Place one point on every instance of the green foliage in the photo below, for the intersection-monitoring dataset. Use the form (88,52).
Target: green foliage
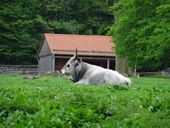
(52,101)
(142,32)
(23,23)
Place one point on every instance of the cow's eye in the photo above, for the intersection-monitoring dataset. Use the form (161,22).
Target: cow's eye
(68,66)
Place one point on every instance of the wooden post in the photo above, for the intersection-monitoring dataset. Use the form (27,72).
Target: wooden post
(108,63)
(53,63)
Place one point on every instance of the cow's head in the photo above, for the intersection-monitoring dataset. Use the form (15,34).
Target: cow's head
(70,67)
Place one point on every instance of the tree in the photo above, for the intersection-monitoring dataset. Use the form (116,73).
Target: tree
(142,33)
(23,23)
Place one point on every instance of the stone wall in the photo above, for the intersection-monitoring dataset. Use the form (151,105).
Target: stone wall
(19,69)
(166,72)
(149,74)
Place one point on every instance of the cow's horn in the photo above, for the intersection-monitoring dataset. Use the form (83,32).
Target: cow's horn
(75,54)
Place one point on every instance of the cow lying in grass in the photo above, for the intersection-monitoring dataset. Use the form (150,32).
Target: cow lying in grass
(84,73)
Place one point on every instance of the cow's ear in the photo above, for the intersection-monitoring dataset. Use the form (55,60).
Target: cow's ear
(77,62)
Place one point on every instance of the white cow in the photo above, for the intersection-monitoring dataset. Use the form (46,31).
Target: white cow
(84,73)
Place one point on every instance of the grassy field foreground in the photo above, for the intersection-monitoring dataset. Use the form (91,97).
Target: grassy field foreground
(52,101)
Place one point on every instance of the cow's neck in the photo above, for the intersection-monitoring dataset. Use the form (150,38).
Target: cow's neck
(79,73)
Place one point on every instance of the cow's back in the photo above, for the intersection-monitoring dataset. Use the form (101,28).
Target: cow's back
(93,74)
(99,75)
(113,77)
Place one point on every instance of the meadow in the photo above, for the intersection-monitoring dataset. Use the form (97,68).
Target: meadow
(55,102)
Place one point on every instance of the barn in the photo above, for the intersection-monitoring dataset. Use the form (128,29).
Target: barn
(56,49)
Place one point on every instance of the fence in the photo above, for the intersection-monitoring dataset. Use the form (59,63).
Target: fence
(19,69)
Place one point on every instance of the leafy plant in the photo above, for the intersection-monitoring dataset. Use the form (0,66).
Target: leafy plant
(51,101)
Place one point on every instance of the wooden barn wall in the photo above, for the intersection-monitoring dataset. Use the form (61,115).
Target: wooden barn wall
(45,64)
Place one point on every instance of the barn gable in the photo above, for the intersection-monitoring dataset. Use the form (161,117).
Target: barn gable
(45,49)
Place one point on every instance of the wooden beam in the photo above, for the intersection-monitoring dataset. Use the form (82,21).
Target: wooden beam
(88,58)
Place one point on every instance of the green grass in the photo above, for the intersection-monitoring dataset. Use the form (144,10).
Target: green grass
(52,101)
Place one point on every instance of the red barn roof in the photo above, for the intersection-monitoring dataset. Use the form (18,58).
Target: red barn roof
(65,44)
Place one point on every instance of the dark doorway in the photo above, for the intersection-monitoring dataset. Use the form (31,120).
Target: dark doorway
(102,63)
(60,62)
